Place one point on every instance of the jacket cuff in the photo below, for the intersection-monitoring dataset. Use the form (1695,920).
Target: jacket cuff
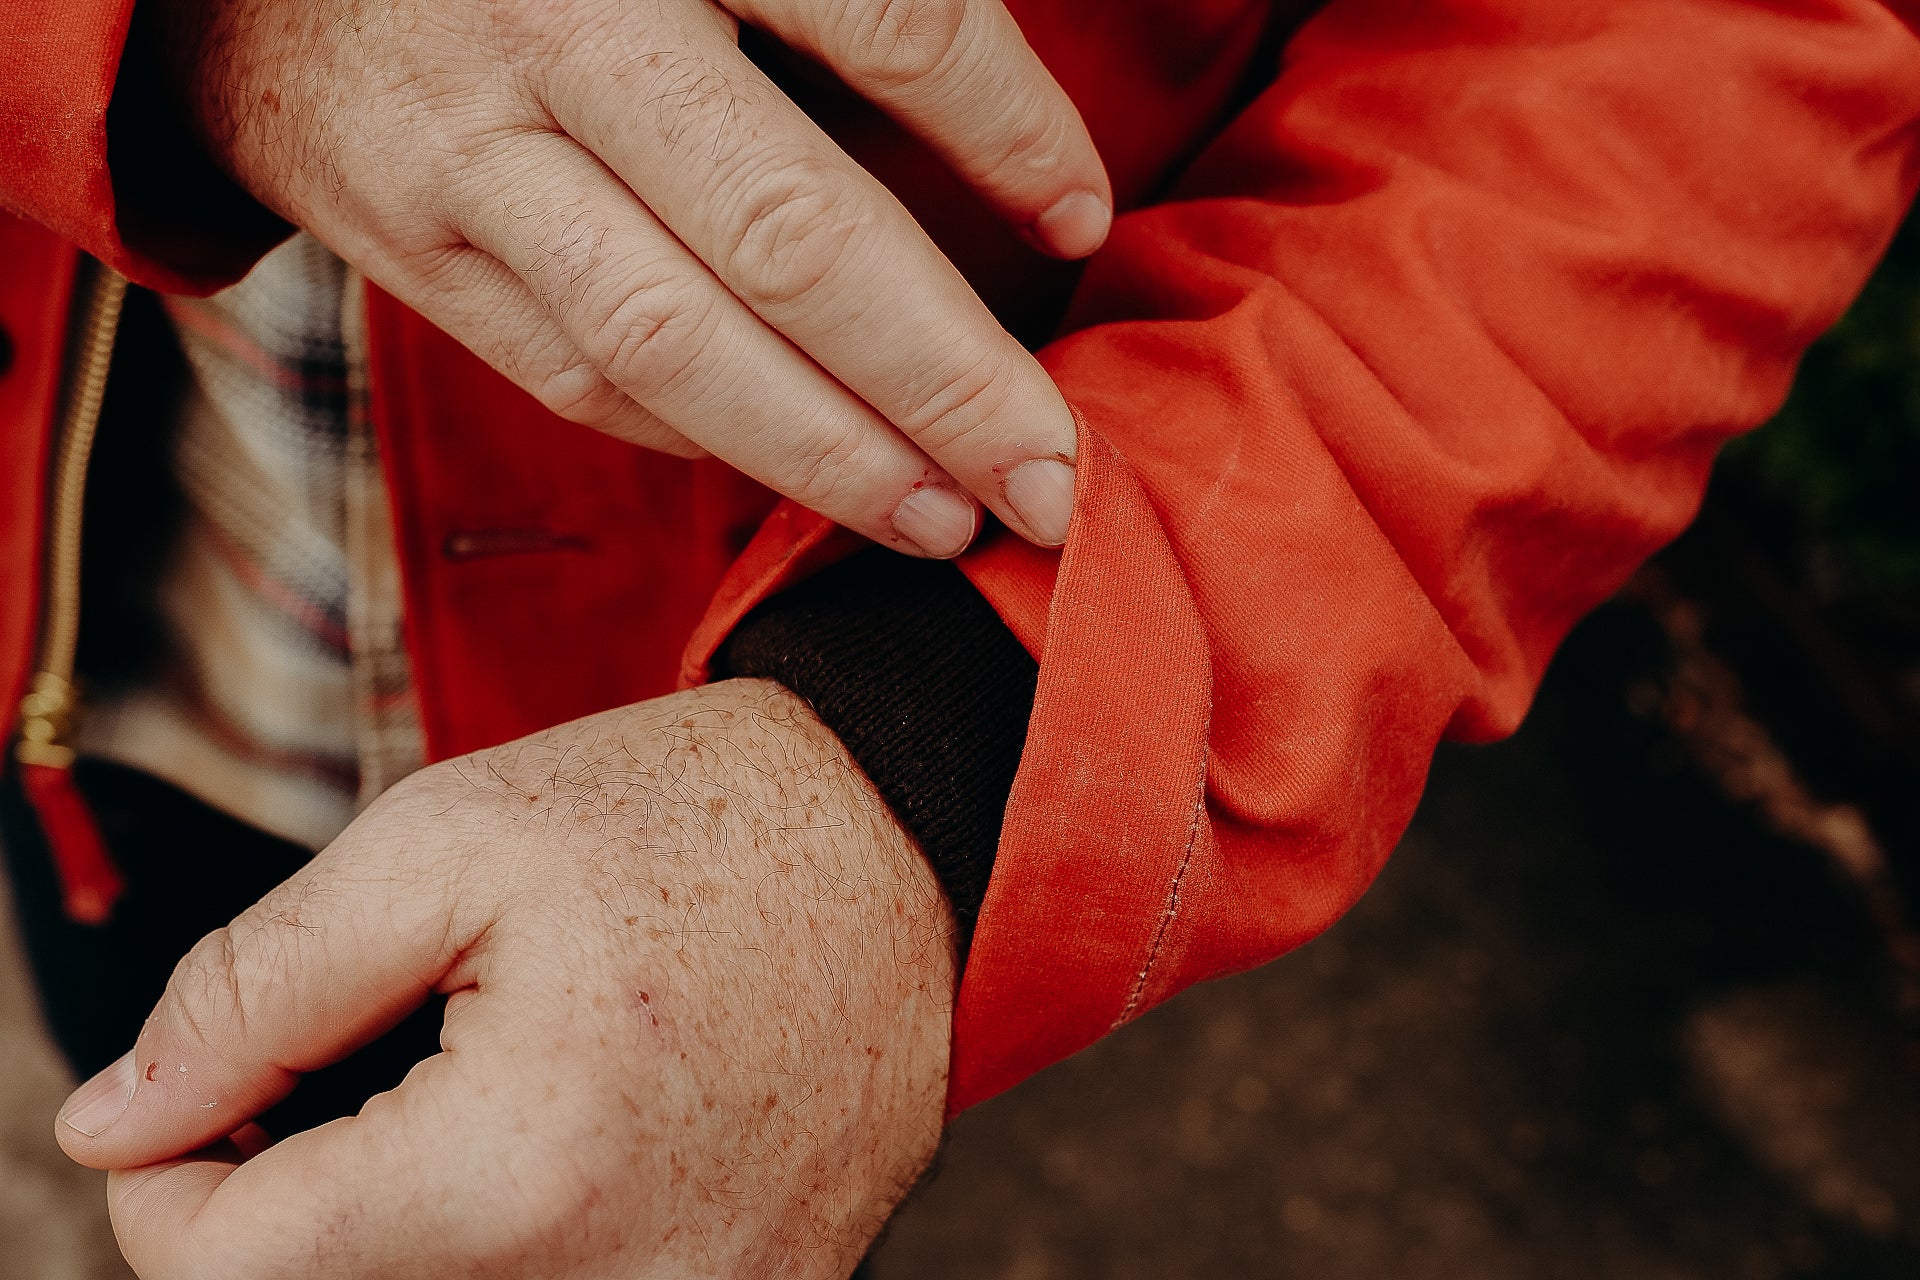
(923,683)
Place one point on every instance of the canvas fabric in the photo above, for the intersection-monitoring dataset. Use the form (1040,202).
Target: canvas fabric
(1417,331)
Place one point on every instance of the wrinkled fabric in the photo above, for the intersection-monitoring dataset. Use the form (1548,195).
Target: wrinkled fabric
(1384,379)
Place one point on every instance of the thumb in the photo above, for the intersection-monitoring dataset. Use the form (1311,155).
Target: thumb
(324,963)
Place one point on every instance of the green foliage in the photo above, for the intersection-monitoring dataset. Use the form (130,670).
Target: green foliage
(1841,462)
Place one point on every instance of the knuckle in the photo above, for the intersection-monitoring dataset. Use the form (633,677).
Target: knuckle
(650,339)
(208,992)
(1036,144)
(797,227)
(956,407)
(425,791)
(897,43)
(437,261)
(578,392)
(832,465)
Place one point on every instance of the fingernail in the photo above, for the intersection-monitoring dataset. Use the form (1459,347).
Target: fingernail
(937,520)
(101,1100)
(1076,225)
(1041,493)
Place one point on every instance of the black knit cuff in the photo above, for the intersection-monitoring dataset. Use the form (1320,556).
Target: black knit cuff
(924,684)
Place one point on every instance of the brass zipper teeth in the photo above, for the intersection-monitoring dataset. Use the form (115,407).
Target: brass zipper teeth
(48,711)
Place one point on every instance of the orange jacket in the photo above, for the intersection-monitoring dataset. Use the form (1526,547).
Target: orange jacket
(1385,379)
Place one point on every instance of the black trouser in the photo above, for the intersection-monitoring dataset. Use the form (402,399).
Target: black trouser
(189,869)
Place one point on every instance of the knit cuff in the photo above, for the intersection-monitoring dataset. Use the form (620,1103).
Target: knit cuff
(925,686)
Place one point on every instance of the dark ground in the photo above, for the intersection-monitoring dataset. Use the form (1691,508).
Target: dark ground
(1593,1021)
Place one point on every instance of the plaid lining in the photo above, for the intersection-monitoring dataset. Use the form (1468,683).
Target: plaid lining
(287,699)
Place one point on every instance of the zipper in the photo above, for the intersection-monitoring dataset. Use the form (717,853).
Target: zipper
(49,712)
(90,883)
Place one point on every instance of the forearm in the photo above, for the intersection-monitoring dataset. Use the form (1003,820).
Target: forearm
(923,683)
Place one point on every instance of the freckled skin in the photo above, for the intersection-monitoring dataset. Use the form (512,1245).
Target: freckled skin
(680,1042)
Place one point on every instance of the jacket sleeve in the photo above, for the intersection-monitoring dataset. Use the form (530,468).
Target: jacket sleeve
(1428,350)
(89,150)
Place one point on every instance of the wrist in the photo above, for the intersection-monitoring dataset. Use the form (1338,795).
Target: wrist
(927,688)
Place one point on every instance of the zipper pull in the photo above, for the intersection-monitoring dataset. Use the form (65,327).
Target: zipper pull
(44,748)
(46,721)
(90,883)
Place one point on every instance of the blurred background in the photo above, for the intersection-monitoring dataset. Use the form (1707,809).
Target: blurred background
(1639,995)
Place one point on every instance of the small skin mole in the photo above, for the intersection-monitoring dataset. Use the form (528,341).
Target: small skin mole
(632,921)
(663,893)
(717,806)
(152,1069)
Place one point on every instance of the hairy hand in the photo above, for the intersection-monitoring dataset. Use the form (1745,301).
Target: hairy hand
(700,987)
(608,202)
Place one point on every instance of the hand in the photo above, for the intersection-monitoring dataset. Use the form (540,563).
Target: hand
(608,202)
(700,995)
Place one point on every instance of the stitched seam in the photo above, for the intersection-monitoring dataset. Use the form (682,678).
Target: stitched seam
(1173,890)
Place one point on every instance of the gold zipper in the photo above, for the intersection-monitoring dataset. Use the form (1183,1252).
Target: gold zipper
(50,709)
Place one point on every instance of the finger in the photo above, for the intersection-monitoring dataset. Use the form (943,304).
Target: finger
(321,965)
(250,1140)
(960,74)
(350,1198)
(490,311)
(148,1207)
(670,336)
(824,253)
(479,1159)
